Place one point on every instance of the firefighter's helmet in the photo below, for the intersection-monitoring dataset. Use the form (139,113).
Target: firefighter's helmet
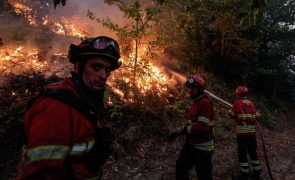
(101,46)
(241,90)
(195,80)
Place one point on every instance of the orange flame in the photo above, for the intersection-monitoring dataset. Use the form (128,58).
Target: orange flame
(19,59)
(150,78)
(63,26)
(25,11)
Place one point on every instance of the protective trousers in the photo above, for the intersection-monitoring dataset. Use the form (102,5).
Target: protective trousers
(189,157)
(248,145)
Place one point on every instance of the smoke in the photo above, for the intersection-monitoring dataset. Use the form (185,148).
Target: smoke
(34,26)
(77,10)
(44,18)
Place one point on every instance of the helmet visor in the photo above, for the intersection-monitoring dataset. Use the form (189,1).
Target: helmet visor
(104,43)
(190,82)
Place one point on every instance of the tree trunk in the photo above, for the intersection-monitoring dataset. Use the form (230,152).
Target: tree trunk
(135,58)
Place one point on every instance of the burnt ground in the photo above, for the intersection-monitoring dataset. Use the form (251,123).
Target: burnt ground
(159,163)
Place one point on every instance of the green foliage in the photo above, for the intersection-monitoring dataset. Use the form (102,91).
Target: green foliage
(255,12)
(268,118)
(222,122)
(139,113)
(211,35)
(274,62)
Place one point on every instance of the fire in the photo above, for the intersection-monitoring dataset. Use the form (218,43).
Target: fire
(20,59)
(17,59)
(59,25)
(66,28)
(153,78)
(25,11)
(45,20)
(149,79)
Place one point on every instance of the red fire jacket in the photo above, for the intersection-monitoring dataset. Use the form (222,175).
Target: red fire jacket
(55,131)
(244,113)
(200,132)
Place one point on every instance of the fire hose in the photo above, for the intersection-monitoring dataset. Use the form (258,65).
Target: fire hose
(259,129)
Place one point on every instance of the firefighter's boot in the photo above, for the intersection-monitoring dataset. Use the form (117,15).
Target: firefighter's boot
(256,175)
(242,176)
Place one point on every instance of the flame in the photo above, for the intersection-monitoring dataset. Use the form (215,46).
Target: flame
(152,77)
(66,28)
(59,25)
(17,58)
(20,59)
(149,79)
(25,11)
(45,20)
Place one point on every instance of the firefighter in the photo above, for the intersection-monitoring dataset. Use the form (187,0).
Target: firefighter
(199,145)
(245,114)
(65,135)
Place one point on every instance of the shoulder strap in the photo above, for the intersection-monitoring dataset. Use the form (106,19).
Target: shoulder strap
(72,100)
(69,98)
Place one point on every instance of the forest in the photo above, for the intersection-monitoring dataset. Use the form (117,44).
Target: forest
(227,42)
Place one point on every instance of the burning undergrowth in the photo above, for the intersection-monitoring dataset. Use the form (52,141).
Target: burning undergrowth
(41,13)
(142,106)
(136,113)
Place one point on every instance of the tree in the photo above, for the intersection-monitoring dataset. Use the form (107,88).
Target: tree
(212,32)
(276,36)
(142,19)
(255,11)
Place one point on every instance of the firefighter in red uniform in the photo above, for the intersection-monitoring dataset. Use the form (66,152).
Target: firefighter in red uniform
(65,135)
(245,114)
(199,145)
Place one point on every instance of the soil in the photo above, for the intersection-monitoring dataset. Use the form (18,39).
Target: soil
(155,158)
(160,164)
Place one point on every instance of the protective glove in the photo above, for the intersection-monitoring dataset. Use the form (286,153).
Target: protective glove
(101,150)
(176,133)
(231,114)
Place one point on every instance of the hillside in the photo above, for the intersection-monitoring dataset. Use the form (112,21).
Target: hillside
(146,98)
(141,155)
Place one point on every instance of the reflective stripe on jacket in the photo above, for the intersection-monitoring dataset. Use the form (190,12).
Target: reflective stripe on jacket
(55,133)
(200,132)
(244,112)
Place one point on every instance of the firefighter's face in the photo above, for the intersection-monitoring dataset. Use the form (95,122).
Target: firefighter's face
(95,73)
(193,92)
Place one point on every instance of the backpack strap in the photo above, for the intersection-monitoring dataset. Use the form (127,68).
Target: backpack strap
(69,98)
